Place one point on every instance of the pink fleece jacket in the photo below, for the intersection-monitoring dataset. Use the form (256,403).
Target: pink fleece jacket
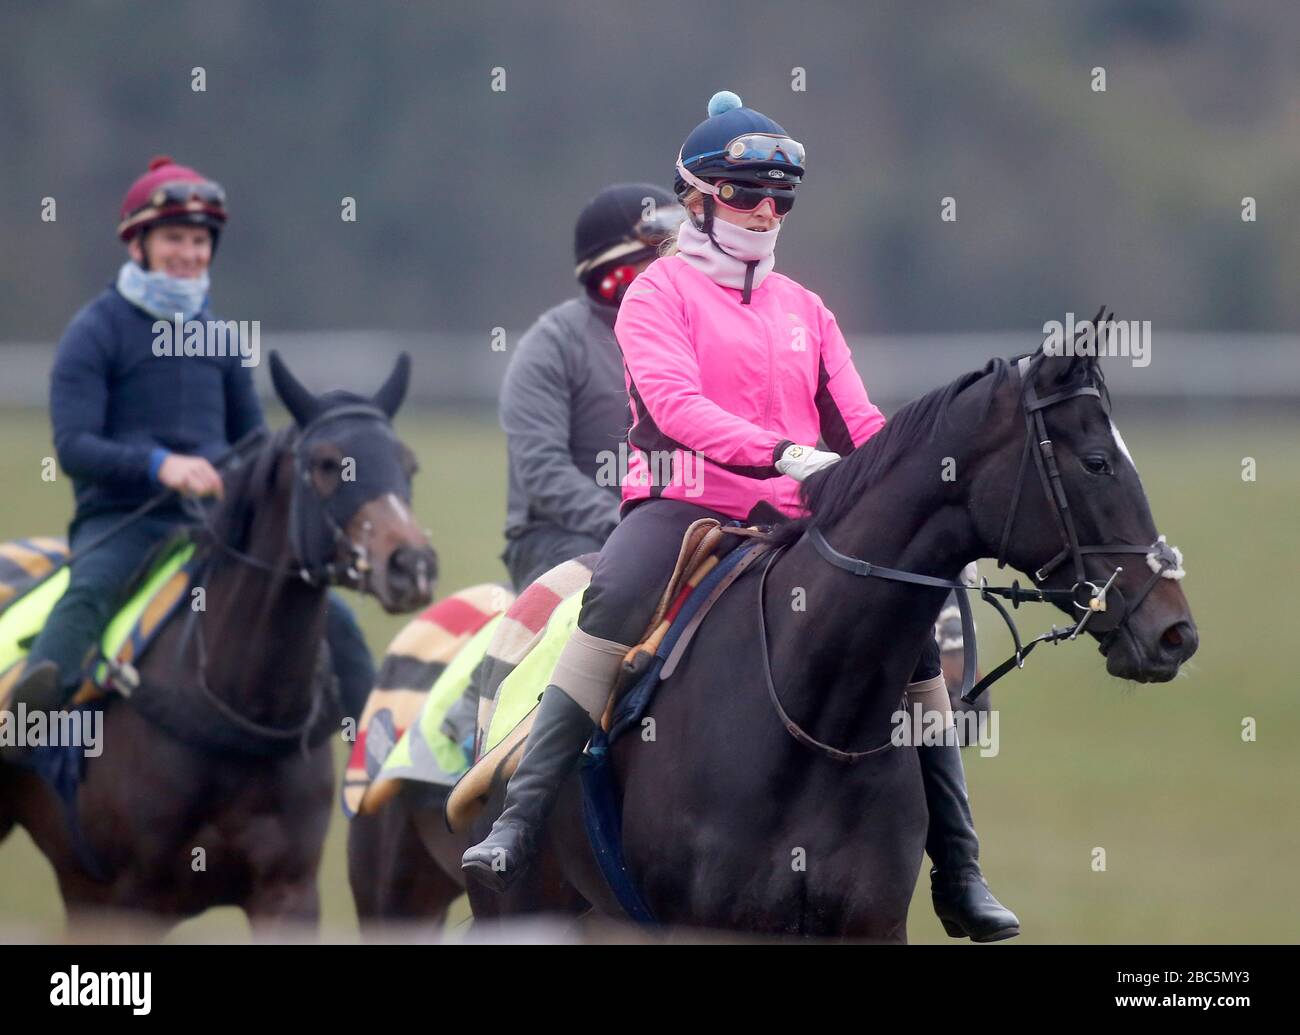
(716,386)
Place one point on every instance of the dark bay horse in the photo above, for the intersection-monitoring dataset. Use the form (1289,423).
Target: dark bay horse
(731,823)
(215,781)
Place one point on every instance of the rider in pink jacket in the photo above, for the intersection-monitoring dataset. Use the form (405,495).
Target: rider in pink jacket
(735,383)
(734,374)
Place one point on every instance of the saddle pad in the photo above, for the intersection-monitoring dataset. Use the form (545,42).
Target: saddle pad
(25,561)
(511,688)
(128,633)
(23,618)
(416,662)
(132,629)
(520,691)
(427,752)
(523,628)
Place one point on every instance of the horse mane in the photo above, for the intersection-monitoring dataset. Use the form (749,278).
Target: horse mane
(830,494)
(247,483)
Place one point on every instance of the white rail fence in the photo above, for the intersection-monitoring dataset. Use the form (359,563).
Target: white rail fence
(465,369)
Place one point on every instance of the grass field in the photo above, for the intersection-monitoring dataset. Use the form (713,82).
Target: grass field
(1201,830)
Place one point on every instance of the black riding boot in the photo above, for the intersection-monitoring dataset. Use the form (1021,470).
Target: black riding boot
(40,688)
(560,731)
(962,899)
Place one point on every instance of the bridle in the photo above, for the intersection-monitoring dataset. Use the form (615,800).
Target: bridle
(1164,560)
(326,573)
(355,571)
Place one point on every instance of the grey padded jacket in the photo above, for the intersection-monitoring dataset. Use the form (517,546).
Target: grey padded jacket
(564,410)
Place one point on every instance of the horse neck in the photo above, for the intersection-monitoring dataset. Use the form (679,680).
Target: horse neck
(263,629)
(843,662)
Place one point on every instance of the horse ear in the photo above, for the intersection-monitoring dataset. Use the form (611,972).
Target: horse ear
(1061,358)
(301,404)
(1102,324)
(393,391)
(1057,357)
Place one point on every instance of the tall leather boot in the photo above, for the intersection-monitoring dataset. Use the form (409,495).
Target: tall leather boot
(560,731)
(962,900)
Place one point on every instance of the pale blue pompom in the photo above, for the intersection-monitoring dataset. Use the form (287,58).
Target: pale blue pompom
(723,101)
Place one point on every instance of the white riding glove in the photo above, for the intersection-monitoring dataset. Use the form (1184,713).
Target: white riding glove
(801,461)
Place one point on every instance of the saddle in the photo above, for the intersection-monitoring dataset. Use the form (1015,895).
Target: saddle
(704,545)
(693,588)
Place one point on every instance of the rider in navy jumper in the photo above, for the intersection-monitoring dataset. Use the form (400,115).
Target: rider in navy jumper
(129,423)
(117,409)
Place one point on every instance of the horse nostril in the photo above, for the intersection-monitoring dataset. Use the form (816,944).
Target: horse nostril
(411,568)
(1179,640)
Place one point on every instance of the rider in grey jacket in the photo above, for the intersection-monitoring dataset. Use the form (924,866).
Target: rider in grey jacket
(563,404)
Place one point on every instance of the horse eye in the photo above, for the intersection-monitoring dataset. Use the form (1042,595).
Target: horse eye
(1097,464)
(327,465)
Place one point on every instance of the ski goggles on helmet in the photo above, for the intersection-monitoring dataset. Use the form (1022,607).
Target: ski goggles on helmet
(655,228)
(186,192)
(746,198)
(177,198)
(765,147)
(648,233)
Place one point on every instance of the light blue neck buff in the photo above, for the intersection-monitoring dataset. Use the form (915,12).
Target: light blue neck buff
(162,295)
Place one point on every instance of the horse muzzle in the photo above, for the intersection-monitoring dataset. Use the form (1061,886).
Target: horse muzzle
(399,566)
(1149,658)
(407,580)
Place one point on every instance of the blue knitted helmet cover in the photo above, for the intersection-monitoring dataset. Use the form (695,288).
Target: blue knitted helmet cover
(704,151)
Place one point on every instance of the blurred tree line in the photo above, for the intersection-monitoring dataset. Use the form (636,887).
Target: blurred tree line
(1065,197)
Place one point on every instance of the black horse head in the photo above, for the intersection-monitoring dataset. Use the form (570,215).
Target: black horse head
(352,491)
(1090,513)
(1060,500)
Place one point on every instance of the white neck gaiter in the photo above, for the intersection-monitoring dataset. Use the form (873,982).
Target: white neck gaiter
(741,248)
(161,295)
